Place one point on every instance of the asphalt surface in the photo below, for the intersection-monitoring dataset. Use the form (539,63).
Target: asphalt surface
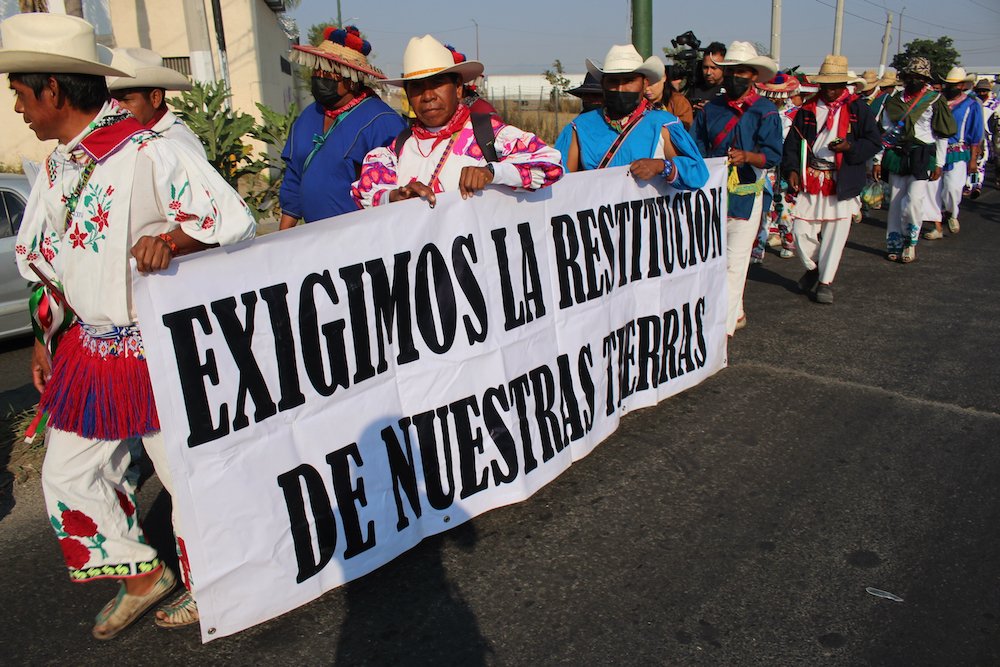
(740,523)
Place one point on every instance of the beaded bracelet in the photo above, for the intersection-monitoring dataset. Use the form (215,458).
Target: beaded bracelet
(668,170)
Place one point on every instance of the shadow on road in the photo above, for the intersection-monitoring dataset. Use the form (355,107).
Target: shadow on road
(759,274)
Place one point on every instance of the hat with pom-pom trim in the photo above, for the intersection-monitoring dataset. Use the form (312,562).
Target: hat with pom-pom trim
(342,51)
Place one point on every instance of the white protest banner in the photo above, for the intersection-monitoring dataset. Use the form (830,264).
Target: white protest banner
(333,394)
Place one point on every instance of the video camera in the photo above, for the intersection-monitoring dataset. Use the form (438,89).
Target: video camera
(687,61)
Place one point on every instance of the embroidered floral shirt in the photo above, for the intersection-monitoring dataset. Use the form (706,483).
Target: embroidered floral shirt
(525,162)
(103,190)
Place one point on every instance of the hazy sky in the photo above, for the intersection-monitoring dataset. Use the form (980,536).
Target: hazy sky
(526,36)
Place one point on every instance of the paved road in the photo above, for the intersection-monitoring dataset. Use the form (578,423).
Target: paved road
(846,447)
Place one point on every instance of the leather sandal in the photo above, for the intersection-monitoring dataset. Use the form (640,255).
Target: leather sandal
(182,611)
(909,254)
(124,609)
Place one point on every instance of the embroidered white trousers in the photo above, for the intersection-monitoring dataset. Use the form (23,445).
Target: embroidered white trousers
(740,235)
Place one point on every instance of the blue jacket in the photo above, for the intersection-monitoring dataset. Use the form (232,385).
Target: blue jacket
(758,131)
(324,189)
(595,137)
(969,118)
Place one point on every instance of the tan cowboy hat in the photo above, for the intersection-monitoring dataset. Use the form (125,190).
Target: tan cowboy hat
(889,78)
(745,55)
(45,43)
(425,57)
(624,59)
(871,79)
(834,70)
(149,71)
(956,75)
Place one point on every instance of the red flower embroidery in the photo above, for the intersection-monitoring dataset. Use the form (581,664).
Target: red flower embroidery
(208,222)
(101,217)
(184,217)
(48,253)
(31,257)
(75,553)
(79,524)
(78,238)
(126,504)
(110,191)
(20,249)
(175,205)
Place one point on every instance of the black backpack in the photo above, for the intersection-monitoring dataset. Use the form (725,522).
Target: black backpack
(482,128)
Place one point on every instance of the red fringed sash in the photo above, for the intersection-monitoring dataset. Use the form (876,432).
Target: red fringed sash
(100,386)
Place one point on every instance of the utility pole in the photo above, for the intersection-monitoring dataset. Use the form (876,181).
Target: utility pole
(477,37)
(340,21)
(838,27)
(199,44)
(220,38)
(886,38)
(642,27)
(899,35)
(776,30)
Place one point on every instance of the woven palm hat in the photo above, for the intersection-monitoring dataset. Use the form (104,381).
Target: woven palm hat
(781,87)
(745,55)
(833,70)
(149,71)
(425,57)
(871,79)
(888,79)
(342,52)
(624,59)
(53,44)
(956,75)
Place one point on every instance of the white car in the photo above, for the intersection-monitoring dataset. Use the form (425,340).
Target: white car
(14,290)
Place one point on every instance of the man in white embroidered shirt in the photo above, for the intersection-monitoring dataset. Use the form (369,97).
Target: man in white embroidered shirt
(449,148)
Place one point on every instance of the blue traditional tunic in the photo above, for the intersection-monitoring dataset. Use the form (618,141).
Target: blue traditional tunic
(323,189)
(595,137)
(968,115)
(758,131)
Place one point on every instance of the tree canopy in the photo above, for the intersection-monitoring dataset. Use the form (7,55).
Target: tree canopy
(940,53)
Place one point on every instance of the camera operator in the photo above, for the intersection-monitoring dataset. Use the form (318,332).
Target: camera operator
(709,84)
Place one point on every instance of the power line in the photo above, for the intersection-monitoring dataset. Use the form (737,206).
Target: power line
(935,23)
(984,6)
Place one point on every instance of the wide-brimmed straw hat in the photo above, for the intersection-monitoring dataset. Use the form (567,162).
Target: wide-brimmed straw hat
(744,54)
(425,57)
(833,70)
(45,43)
(956,75)
(781,87)
(871,80)
(342,52)
(624,59)
(149,71)
(889,78)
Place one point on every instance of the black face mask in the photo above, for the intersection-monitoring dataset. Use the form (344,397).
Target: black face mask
(951,92)
(736,86)
(325,92)
(912,85)
(620,104)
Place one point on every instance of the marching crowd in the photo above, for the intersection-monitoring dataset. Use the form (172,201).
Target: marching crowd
(128,180)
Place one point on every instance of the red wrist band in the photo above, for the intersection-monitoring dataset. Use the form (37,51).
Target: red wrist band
(169,240)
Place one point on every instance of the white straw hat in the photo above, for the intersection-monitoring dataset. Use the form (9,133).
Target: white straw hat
(956,75)
(149,71)
(45,43)
(744,54)
(426,57)
(624,59)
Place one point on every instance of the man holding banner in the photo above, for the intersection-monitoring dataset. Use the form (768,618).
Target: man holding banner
(110,191)
(449,147)
(627,130)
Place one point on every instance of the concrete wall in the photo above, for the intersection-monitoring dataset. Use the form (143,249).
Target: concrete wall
(255,44)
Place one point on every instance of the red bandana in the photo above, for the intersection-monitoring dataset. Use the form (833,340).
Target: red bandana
(744,103)
(454,125)
(333,113)
(843,123)
(157,116)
